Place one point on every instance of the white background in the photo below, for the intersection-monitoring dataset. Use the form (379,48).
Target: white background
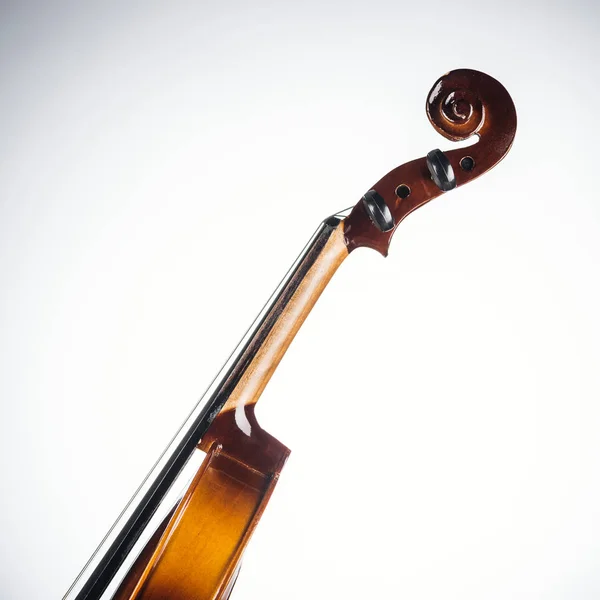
(161,165)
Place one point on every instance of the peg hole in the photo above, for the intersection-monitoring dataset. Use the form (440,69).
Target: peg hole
(402,191)
(467,163)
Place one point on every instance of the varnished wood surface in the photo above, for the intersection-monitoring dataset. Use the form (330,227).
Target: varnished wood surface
(460,104)
(201,548)
(196,554)
(318,261)
(292,314)
(129,583)
(287,316)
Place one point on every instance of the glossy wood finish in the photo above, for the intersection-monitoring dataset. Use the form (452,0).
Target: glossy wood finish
(273,329)
(195,554)
(288,315)
(130,582)
(460,104)
(200,551)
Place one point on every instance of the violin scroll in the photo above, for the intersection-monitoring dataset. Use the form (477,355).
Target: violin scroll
(454,109)
(461,104)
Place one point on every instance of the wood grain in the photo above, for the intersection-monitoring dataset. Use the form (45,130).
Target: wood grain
(200,550)
(197,553)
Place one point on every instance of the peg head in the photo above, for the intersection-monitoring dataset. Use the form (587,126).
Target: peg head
(461,104)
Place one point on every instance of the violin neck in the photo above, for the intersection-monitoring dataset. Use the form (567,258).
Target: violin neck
(285,314)
(230,399)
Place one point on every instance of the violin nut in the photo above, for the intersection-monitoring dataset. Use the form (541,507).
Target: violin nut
(378,211)
(441,170)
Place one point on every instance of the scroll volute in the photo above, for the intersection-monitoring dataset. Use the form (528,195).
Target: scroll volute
(461,104)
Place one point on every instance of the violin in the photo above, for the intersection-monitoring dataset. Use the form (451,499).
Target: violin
(188,545)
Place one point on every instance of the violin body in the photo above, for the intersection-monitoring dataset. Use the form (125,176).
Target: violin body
(198,553)
(192,549)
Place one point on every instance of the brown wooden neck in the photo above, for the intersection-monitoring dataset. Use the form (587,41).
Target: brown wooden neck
(258,361)
(243,461)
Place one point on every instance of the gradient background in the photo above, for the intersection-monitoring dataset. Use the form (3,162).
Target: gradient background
(162,164)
